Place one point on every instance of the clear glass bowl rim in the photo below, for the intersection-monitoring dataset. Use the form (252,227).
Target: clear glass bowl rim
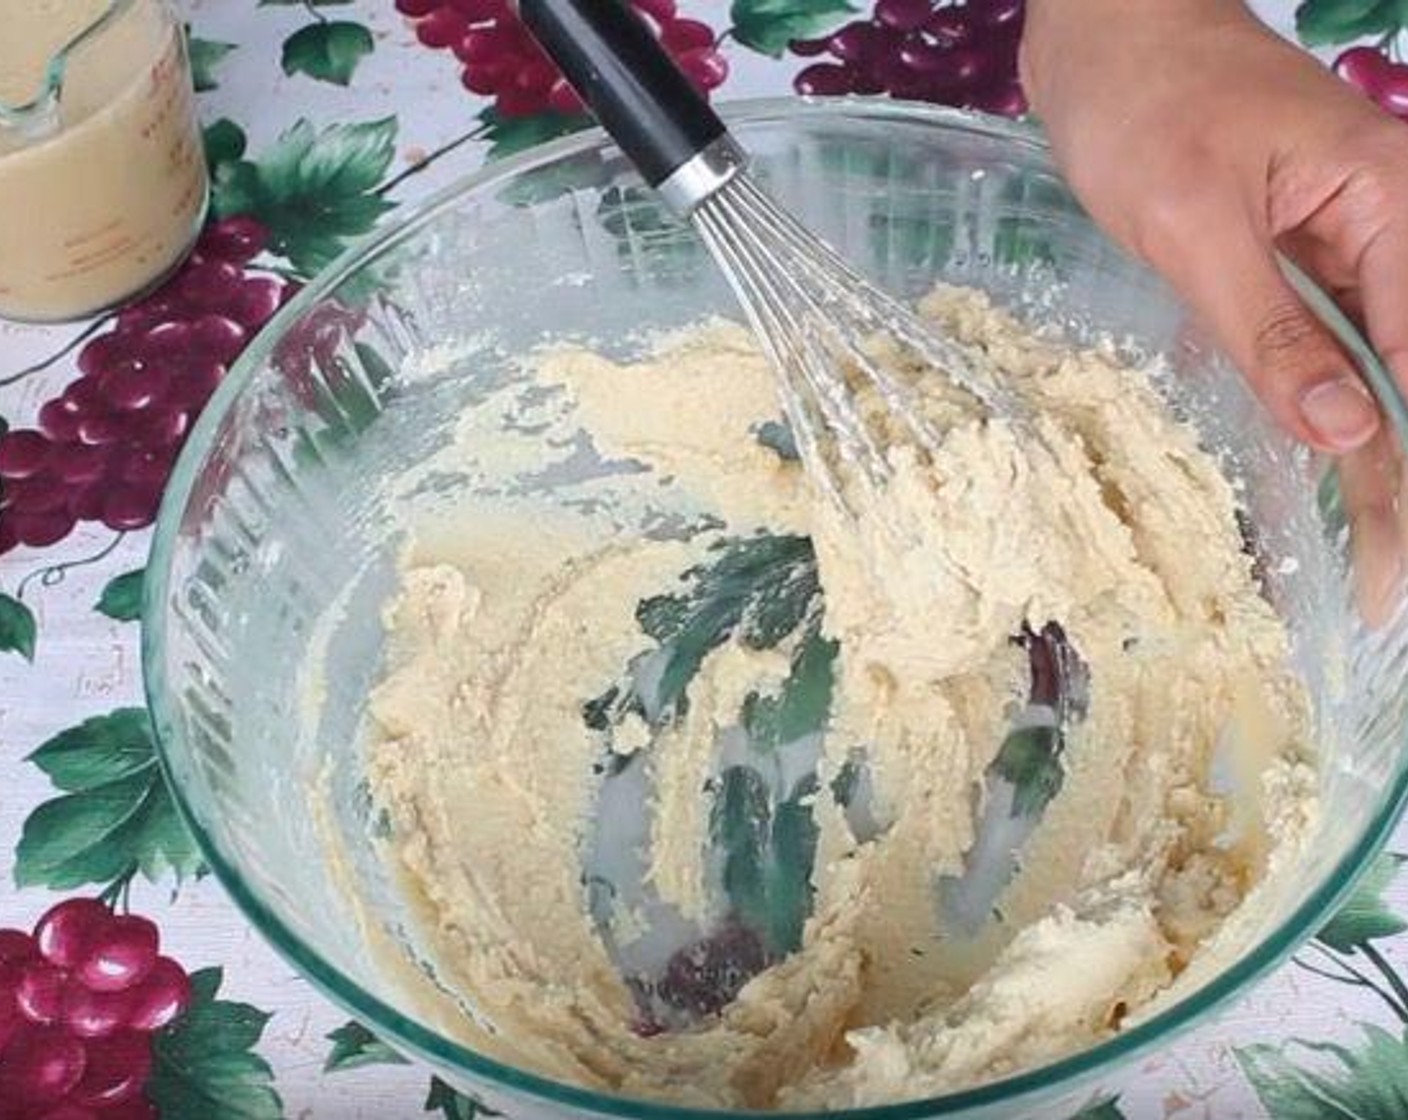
(1069,1072)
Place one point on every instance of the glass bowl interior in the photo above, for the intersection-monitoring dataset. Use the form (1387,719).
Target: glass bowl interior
(275,550)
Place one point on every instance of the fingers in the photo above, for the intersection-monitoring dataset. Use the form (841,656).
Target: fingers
(1375,215)
(1371,480)
(1300,373)
(1326,261)
(1383,283)
(1215,257)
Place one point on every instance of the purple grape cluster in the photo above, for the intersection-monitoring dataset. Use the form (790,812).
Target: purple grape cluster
(501,60)
(1378,77)
(702,979)
(699,980)
(102,449)
(80,998)
(952,53)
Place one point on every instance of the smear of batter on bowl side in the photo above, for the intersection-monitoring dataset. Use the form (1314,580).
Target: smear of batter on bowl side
(706,793)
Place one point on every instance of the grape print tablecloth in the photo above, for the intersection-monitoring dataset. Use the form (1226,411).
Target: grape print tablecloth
(130,987)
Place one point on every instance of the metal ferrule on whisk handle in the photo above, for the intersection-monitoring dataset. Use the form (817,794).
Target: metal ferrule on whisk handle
(644,102)
(814,315)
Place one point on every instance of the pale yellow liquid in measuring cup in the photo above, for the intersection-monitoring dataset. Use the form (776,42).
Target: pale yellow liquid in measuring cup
(100,209)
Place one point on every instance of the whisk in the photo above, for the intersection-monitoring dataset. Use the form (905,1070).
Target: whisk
(816,317)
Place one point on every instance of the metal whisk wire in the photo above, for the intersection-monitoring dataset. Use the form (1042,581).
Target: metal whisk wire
(814,398)
(827,330)
(818,320)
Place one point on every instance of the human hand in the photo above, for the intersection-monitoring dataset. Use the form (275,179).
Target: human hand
(1203,143)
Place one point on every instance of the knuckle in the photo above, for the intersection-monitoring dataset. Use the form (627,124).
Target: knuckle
(1285,333)
(1376,188)
(1378,141)
(1376,151)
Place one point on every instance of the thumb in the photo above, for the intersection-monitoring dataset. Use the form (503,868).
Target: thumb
(1294,365)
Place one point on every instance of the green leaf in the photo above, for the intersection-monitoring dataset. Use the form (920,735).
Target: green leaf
(509,135)
(911,241)
(777,437)
(648,235)
(116,813)
(377,369)
(104,749)
(312,190)
(453,1105)
(206,55)
(1321,23)
(235,189)
(635,214)
(1364,917)
(357,401)
(349,401)
(740,824)
(1030,758)
(1106,1109)
(759,589)
(1326,1081)
(204,1064)
(205,983)
(121,599)
(328,50)
(1019,241)
(17,628)
(803,705)
(354,1046)
(846,784)
(788,873)
(768,855)
(768,26)
(756,591)
(1329,498)
(224,142)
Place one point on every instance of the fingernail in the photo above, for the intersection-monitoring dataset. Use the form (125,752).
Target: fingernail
(1340,412)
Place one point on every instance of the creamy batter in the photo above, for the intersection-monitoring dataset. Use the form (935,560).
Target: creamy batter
(681,825)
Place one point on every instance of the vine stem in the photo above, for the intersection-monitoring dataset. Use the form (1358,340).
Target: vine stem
(54,573)
(1356,981)
(1387,971)
(444,149)
(313,11)
(118,892)
(67,349)
(1354,977)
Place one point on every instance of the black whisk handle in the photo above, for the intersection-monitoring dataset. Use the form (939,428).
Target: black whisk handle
(662,123)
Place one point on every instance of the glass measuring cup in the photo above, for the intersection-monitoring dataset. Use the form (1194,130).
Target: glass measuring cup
(103,184)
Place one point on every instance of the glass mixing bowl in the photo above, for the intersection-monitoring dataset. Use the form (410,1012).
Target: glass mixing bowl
(274,550)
